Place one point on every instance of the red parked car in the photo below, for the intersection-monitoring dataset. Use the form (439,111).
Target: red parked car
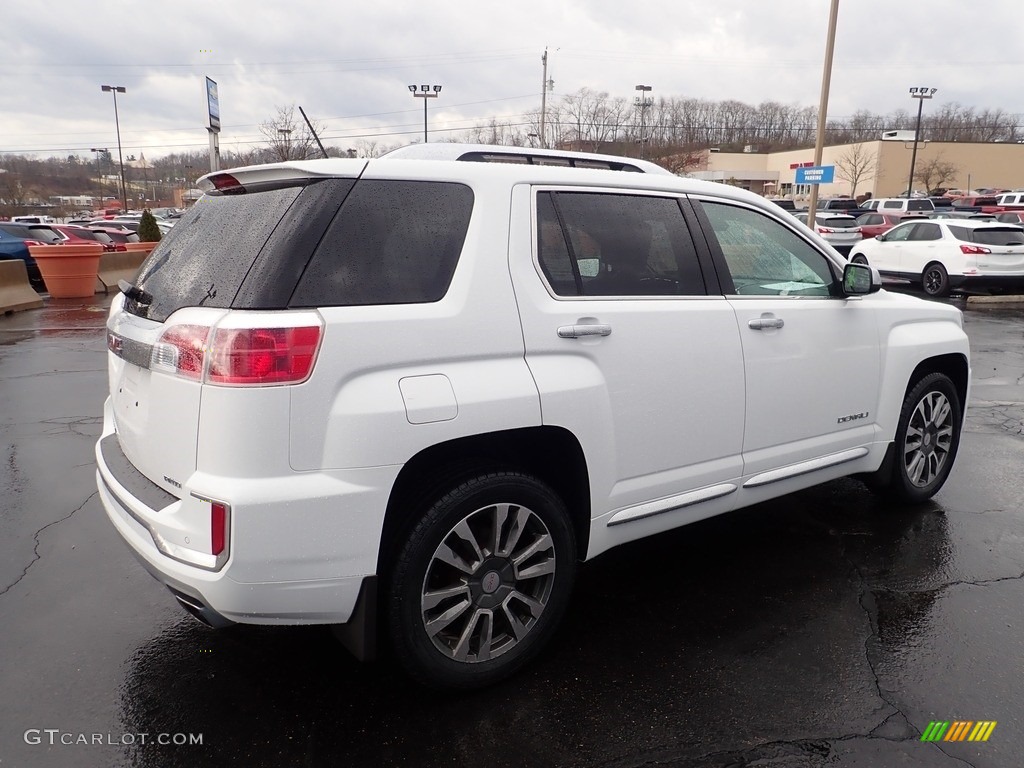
(119,237)
(875,224)
(75,235)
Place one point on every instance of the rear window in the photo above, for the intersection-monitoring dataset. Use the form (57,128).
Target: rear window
(393,242)
(203,260)
(836,222)
(920,205)
(989,235)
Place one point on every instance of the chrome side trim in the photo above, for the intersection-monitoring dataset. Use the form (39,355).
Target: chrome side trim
(640,511)
(804,467)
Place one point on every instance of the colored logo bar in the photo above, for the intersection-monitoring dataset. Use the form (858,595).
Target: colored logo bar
(958,730)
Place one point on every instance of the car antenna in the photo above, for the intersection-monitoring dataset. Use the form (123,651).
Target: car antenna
(313,131)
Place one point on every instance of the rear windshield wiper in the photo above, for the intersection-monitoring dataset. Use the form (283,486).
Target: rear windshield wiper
(134,293)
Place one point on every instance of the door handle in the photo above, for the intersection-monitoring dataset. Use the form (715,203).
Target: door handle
(766,321)
(580,331)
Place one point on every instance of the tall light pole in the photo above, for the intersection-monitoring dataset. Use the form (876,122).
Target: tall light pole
(425,92)
(116,89)
(643,103)
(286,136)
(920,94)
(99,171)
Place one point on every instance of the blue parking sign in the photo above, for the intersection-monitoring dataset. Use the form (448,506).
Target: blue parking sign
(816,174)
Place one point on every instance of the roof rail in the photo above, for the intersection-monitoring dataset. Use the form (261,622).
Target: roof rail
(483,153)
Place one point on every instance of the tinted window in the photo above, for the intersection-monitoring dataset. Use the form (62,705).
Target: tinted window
(901,232)
(392,242)
(766,258)
(1000,236)
(893,204)
(926,232)
(203,260)
(596,244)
(836,222)
(920,205)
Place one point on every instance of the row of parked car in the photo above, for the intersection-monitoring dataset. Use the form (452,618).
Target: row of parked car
(940,249)
(16,237)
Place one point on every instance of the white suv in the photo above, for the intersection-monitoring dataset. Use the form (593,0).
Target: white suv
(414,392)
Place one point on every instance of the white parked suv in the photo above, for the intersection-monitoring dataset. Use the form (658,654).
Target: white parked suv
(412,393)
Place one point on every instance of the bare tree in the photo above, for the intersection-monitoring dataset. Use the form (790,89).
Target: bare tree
(288,136)
(935,172)
(855,165)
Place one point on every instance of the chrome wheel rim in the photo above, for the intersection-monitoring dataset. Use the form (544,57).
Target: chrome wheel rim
(488,582)
(929,439)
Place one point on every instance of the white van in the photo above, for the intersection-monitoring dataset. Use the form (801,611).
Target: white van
(33,220)
(902,205)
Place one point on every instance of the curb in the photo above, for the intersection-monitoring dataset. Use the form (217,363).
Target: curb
(1015,299)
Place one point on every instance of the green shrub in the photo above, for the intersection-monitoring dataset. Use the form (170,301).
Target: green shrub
(149,232)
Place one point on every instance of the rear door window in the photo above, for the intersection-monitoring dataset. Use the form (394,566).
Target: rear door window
(607,244)
(926,232)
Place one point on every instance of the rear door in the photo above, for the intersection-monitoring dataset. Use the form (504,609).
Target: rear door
(631,353)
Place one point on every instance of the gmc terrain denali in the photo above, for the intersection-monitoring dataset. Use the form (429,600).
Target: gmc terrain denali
(412,393)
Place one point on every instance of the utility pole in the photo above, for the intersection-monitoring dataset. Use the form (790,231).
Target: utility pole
(921,93)
(544,99)
(826,79)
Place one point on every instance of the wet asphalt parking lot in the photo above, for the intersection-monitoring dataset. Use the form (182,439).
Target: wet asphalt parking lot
(823,629)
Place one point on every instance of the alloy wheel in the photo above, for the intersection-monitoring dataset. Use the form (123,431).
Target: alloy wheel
(488,582)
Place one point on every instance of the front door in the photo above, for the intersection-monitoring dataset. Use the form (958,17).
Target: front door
(811,357)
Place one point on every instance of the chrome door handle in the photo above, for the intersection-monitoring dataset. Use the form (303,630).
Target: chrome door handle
(766,321)
(579,331)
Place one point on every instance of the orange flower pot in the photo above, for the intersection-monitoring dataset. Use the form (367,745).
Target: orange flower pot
(69,271)
(143,247)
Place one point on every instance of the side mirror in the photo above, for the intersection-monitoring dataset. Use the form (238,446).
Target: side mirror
(860,280)
(880,237)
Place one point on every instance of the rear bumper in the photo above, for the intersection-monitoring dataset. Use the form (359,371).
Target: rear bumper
(298,560)
(1015,282)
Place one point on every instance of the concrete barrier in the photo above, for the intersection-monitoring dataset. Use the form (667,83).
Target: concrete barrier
(118,265)
(16,293)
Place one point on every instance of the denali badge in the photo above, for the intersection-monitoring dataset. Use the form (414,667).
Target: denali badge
(172,481)
(852,417)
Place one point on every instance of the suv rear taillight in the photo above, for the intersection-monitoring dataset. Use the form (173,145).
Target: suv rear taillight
(239,357)
(974,250)
(181,351)
(245,356)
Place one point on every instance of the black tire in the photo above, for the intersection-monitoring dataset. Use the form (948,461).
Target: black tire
(935,280)
(481,582)
(859,258)
(927,439)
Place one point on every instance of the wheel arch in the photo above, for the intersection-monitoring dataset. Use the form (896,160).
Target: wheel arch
(954,365)
(551,454)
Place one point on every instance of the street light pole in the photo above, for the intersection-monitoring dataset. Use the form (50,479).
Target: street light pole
(116,89)
(920,94)
(425,92)
(99,170)
(286,133)
(643,103)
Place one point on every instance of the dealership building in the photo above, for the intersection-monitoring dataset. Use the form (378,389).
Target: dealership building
(885,164)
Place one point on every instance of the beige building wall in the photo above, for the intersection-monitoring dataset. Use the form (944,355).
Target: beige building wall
(887,166)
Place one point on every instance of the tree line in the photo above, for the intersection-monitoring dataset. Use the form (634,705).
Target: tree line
(663,129)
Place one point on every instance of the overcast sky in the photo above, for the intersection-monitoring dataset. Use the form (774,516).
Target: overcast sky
(349,64)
